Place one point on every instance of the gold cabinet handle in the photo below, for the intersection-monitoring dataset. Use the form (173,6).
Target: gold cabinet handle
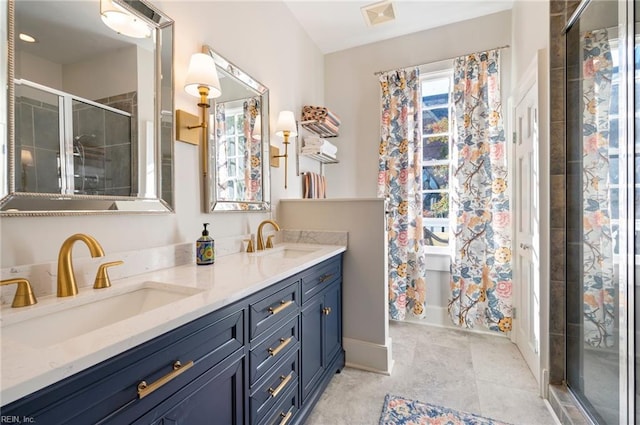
(282,306)
(325,277)
(285,380)
(178,368)
(326,311)
(24,294)
(285,417)
(283,343)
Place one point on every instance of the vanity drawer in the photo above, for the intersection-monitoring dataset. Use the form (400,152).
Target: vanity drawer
(266,352)
(273,388)
(108,392)
(317,278)
(284,411)
(270,310)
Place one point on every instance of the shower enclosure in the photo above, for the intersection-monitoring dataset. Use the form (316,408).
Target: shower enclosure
(602,191)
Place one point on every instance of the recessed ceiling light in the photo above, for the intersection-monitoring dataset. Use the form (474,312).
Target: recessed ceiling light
(377,13)
(27,38)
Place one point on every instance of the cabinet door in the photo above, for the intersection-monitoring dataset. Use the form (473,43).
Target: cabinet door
(311,365)
(215,397)
(332,310)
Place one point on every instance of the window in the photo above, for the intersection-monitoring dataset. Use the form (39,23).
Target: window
(436,156)
(232,156)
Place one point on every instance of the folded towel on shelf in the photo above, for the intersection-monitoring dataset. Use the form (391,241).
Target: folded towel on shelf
(315,144)
(320,113)
(314,186)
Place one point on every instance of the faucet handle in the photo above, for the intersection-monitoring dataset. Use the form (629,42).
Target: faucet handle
(24,294)
(249,245)
(270,241)
(102,277)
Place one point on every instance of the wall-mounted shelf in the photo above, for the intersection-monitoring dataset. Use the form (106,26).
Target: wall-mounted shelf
(321,157)
(321,128)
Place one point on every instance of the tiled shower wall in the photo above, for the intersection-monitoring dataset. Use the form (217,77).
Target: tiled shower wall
(562,402)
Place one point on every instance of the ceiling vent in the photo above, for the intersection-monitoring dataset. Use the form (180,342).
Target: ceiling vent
(378,13)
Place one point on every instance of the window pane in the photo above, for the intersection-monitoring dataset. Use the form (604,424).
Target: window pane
(435,121)
(435,92)
(435,148)
(435,205)
(435,177)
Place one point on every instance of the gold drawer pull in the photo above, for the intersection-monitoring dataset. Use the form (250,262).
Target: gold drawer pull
(283,343)
(285,417)
(326,311)
(325,277)
(144,389)
(285,381)
(282,306)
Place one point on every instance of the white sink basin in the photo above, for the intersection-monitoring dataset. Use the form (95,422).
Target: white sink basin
(79,316)
(287,251)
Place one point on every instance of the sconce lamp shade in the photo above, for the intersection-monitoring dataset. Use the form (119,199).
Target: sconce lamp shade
(256,133)
(286,122)
(26,158)
(202,73)
(121,21)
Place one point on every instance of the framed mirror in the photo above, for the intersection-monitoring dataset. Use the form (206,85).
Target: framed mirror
(89,110)
(238,142)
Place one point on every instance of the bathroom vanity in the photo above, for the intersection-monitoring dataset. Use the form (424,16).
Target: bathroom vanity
(261,354)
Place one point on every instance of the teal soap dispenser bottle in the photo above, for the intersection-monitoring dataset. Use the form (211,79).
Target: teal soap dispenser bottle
(205,248)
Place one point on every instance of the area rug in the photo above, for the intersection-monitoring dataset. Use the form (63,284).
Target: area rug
(402,411)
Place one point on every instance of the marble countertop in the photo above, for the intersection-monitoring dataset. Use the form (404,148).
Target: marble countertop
(28,367)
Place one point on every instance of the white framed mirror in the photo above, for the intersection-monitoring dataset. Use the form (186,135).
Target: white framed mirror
(238,172)
(89,111)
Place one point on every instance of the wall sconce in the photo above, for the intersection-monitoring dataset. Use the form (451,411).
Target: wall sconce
(26,159)
(202,81)
(286,128)
(256,132)
(122,21)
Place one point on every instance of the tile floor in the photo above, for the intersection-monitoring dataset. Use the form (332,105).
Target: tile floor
(477,373)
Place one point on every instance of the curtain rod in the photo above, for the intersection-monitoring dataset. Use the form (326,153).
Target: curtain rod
(440,60)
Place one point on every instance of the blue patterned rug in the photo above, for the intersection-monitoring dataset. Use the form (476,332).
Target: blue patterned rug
(402,411)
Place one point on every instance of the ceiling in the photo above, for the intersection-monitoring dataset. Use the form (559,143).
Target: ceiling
(336,25)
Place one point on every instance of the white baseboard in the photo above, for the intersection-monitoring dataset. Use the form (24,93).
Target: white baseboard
(368,356)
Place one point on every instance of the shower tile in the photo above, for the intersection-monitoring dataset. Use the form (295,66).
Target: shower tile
(557,254)
(511,405)
(557,307)
(558,207)
(557,150)
(556,358)
(24,124)
(556,47)
(46,178)
(91,122)
(118,129)
(118,166)
(46,130)
(557,94)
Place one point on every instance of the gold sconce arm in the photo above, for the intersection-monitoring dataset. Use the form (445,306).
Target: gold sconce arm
(204,137)
(285,142)
(24,294)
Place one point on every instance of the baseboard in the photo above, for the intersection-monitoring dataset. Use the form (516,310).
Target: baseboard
(368,356)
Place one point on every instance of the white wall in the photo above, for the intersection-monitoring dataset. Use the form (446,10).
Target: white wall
(260,37)
(38,70)
(352,90)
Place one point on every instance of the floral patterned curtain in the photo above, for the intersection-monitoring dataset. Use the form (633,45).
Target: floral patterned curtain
(481,272)
(221,150)
(253,152)
(399,182)
(598,282)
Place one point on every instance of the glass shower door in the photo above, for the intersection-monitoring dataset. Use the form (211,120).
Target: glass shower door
(597,220)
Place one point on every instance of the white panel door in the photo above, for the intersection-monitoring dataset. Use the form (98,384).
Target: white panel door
(526,212)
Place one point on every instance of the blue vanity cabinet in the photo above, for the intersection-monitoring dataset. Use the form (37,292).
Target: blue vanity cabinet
(265,359)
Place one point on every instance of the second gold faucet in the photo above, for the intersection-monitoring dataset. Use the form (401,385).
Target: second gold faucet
(260,238)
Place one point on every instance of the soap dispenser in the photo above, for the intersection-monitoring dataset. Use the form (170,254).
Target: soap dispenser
(205,248)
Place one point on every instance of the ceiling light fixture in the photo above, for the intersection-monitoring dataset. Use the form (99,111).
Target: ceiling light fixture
(378,13)
(27,38)
(122,21)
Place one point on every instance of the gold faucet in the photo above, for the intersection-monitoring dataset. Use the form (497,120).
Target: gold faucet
(66,278)
(260,239)
(24,294)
